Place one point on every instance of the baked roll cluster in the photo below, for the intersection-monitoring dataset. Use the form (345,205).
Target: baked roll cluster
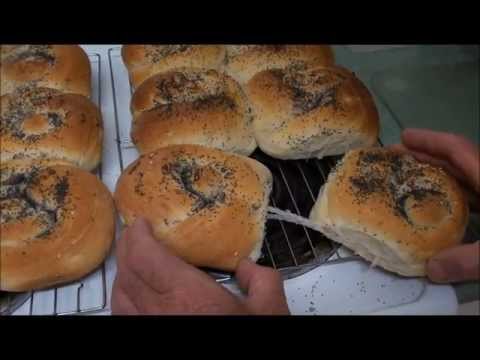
(57,219)
(197,118)
(292,101)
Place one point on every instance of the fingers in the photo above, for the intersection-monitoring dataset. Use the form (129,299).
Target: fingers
(455,149)
(121,304)
(148,258)
(457,264)
(154,279)
(128,286)
(264,287)
(144,268)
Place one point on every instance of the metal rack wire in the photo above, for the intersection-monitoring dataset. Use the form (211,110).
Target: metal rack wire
(14,301)
(292,249)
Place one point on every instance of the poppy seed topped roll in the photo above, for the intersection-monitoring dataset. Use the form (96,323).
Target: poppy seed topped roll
(62,67)
(41,123)
(192,106)
(56,224)
(391,209)
(311,112)
(208,206)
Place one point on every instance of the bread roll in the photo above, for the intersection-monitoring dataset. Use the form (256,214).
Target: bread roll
(391,209)
(304,112)
(143,61)
(38,123)
(192,106)
(242,62)
(62,67)
(56,222)
(207,206)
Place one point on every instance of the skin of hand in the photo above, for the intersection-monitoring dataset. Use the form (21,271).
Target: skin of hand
(461,159)
(151,280)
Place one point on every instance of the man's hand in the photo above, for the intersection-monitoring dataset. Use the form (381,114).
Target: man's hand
(150,280)
(460,158)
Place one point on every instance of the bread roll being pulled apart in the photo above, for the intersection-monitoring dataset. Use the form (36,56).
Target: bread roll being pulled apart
(242,62)
(144,61)
(41,123)
(391,209)
(311,112)
(192,106)
(62,67)
(56,222)
(208,206)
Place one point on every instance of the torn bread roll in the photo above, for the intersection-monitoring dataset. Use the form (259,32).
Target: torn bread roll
(56,222)
(42,123)
(144,61)
(242,62)
(391,209)
(207,206)
(311,112)
(62,67)
(192,106)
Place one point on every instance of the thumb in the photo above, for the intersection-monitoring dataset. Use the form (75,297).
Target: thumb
(460,263)
(148,258)
(264,288)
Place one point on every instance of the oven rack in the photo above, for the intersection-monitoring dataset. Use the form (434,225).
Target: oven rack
(84,296)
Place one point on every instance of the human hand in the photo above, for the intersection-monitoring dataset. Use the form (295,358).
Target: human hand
(151,280)
(460,158)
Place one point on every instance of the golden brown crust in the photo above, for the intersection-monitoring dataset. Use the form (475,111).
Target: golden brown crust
(244,61)
(143,61)
(62,67)
(311,111)
(40,123)
(192,195)
(57,224)
(409,209)
(192,106)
